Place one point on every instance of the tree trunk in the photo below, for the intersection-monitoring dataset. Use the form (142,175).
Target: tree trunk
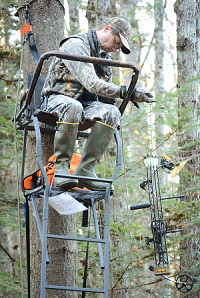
(99,10)
(62,267)
(159,57)
(160,127)
(73,17)
(188,83)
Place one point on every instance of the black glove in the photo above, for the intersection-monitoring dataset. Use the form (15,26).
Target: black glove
(137,96)
(142,96)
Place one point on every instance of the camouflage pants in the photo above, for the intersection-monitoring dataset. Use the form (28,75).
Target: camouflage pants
(68,109)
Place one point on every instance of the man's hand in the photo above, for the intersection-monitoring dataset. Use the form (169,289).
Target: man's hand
(137,95)
(143,96)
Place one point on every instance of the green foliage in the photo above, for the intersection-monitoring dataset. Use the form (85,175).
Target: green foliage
(11,285)
(118,229)
(11,270)
(8,21)
(9,73)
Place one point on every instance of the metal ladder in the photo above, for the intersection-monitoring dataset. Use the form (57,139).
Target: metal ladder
(28,115)
(93,197)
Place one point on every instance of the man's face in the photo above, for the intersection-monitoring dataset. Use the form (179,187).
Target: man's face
(110,42)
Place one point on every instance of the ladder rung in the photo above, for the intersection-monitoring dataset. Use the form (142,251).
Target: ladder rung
(94,290)
(75,238)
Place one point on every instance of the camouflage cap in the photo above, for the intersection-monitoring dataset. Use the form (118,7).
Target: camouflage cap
(123,28)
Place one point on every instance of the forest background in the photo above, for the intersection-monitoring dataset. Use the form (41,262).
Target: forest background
(165,49)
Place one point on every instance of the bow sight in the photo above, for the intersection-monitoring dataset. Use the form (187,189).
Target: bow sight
(159,225)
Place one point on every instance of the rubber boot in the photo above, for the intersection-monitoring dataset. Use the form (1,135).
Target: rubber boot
(95,147)
(64,143)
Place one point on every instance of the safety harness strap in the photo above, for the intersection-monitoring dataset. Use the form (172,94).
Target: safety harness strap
(27,29)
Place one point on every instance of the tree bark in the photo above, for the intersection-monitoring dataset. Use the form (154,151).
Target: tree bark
(159,16)
(47,19)
(159,57)
(73,17)
(188,83)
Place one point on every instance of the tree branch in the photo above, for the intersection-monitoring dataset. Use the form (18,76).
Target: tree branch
(12,259)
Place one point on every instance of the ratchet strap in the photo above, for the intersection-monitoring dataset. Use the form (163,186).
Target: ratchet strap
(28,31)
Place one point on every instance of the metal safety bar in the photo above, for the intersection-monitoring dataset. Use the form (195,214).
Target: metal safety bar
(93,60)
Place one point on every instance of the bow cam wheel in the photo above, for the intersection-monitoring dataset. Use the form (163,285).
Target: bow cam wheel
(184,283)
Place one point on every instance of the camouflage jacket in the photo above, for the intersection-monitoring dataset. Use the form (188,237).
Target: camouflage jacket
(71,78)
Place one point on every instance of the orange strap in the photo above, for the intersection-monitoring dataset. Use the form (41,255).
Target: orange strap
(27,28)
(30,182)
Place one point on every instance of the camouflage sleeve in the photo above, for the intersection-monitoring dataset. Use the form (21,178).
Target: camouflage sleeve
(85,72)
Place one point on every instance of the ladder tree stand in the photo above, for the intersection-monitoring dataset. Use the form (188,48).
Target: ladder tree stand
(30,117)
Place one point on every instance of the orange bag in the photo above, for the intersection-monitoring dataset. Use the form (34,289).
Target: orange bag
(35,180)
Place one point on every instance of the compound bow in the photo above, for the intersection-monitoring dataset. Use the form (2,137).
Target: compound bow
(159,225)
